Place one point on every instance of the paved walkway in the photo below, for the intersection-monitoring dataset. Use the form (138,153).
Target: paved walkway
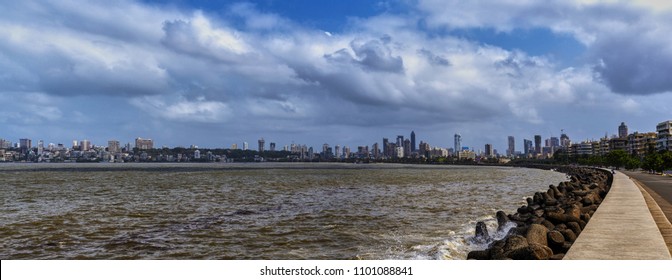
(660,188)
(621,229)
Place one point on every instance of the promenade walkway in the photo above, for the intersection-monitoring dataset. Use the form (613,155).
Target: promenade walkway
(622,228)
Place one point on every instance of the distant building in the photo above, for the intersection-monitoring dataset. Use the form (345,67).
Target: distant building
(197,154)
(413,149)
(457,143)
(272,147)
(25,145)
(537,144)
(622,130)
(640,143)
(261,145)
(234,146)
(512,147)
(489,151)
(144,144)
(246,146)
(85,145)
(407,148)
(386,146)
(113,146)
(664,141)
(375,150)
(400,141)
(337,151)
(527,147)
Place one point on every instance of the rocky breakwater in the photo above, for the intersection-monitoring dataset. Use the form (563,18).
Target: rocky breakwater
(550,222)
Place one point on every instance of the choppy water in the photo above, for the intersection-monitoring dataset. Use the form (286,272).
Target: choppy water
(253,211)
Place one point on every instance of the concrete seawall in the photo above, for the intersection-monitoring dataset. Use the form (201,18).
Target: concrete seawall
(622,228)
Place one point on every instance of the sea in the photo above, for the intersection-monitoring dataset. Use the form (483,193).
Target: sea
(258,211)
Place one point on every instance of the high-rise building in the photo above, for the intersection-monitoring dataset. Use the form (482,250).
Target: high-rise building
(386,150)
(413,141)
(458,143)
(488,150)
(407,148)
(527,147)
(113,146)
(25,145)
(537,144)
(75,145)
(246,146)
(40,147)
(622,130)
(512,147)
(564,141)
(664,141)
(337,151)
(144,144)
(376,150)
(85,145)
(400,141)
(234,146)
(272,146)
(261,145)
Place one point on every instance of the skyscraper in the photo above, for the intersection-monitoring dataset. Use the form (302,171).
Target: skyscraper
(488,150)
(527,146)
(413,141)
(272,146)
(622,130)
(400,141)
(512,147)
(85,145)
(458,143)
(246,146)
(386,144)
(25,145)
(537,144)
(261,145)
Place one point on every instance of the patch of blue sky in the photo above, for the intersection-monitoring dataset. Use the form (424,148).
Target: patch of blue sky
(563,49)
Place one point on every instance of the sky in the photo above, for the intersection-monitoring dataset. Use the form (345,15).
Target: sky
(217,73)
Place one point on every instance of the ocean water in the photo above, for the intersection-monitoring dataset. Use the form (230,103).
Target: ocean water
(254,211)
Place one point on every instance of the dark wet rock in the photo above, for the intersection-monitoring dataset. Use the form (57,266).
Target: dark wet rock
(575,227)
(479,255)
(569,235)
(502,220)
(482,234)
(548,224)
(555,240)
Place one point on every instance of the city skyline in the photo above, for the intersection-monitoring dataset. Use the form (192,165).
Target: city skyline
(347,73)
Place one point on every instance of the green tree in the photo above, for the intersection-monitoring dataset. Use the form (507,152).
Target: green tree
(653,161)
(617,159)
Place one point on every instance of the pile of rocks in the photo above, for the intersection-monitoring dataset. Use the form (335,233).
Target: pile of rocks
(547,226)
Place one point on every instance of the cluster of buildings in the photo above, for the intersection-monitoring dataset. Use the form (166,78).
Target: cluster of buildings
(635,143)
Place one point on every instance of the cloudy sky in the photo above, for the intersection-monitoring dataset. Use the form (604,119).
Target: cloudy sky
(338,72)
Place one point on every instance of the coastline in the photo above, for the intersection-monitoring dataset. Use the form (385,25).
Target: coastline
(547,226)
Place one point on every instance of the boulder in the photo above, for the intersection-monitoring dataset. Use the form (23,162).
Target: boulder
(540,252)
(536,234)
(515,242)
(555,240)
(569,235)
(575,227)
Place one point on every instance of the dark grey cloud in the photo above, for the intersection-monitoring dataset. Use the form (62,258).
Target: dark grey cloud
(636,61)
